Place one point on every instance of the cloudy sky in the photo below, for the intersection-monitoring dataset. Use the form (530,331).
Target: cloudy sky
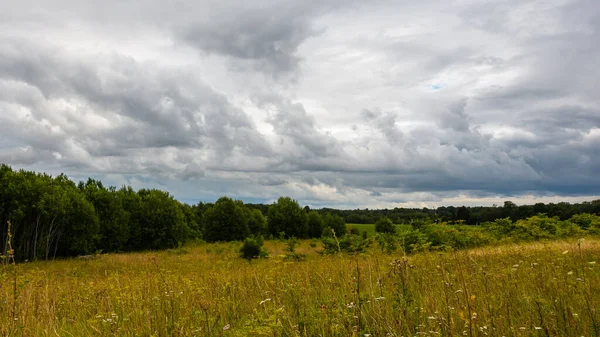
(336,103)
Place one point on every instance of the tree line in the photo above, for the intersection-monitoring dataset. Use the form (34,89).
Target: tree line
(55,217)
(467,215)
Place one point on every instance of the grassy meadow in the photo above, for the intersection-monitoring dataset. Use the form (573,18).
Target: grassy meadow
(533,289)
(370,228)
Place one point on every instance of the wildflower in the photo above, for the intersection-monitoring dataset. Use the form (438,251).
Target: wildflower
(350,305)
(538,328)
(226,327)
(381,298)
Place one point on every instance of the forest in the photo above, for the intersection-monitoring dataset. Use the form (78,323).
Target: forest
(51,217)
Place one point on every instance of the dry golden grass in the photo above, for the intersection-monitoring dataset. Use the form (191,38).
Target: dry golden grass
(546,289)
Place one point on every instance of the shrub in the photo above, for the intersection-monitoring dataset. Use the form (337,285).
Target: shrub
(385,225)
(414,241)
(327,233)
(252,248)
(387,242)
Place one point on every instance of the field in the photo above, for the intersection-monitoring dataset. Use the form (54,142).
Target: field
(536,289)
(370,228)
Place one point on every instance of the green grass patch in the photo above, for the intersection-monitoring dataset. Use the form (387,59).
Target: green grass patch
(370,228)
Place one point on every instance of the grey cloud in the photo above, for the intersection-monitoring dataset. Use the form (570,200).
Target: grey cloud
(271,181)
(516,111)
(192,171)
(264,34)
(292,123)
(456,119)
(385,122)
(140,107)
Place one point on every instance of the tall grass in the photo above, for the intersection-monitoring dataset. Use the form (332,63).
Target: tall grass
(545,289)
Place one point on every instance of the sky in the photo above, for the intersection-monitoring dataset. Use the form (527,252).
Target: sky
(346,104)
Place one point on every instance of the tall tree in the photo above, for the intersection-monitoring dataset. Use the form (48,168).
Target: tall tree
(225,221)
(162,221)
(315,224)
(114,220)
(288,218)
(336,223)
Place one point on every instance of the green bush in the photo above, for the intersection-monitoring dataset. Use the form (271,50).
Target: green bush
(387,242)
(252,248)
(385,225)
(413,241)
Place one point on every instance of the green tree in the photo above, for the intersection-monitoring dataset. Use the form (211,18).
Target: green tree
(463,214)
(114,220)
(385,225)
(315,224)
(80,231)
(132,204)
(336,223)
(286,216)
(189,212)
(225,221)
(257,223)
(162,223)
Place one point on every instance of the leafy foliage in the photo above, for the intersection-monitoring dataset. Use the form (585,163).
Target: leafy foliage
(225,221)
(315,225)
(287,217)
(252,248)
(385,225)
(335,222)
